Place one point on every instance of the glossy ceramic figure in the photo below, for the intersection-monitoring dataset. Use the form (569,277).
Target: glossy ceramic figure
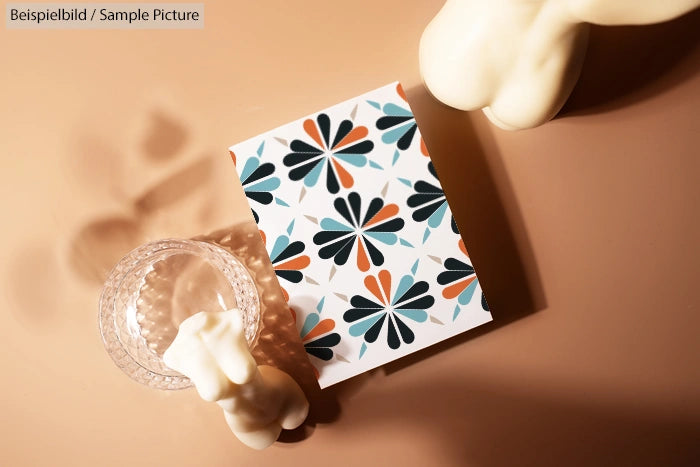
(258,401)
(518,60)
(179,312)
(157,286)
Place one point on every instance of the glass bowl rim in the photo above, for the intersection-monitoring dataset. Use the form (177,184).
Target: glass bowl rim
(106,313)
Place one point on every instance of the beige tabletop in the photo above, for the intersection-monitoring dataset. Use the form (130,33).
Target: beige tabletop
(584,232)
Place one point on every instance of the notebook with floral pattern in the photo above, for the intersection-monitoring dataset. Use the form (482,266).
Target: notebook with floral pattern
(360,234)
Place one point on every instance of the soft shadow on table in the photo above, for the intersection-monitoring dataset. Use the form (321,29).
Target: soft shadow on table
(627,64)
(165,138)
(476,200)
(98,245)
(489,424)
(486,225)
(102,241)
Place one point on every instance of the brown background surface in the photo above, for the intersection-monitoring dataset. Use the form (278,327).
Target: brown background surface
(584,232)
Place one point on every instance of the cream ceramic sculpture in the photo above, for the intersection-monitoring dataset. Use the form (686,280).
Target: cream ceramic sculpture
(258,401)
(518,60)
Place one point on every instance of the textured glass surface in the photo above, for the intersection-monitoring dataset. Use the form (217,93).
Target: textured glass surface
(158,285)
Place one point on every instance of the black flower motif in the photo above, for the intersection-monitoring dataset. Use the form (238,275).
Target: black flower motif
(460,281)
(429,202)
(347,147)
(379,223)
(399,124)
(258,182)
(408,302)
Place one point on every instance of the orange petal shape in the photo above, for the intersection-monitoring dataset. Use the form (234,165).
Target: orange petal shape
(345,178)
(400,91)
(233,157)
(323,327)
(386,212)
(463,247)
(312,130)
(373,287)
(456,288)
(262,235)
(385,279)
(362,260)
(423,148)
(355,134)
(294,264)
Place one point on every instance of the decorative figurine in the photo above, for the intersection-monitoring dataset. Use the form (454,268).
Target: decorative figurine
(258,401)
(518,60)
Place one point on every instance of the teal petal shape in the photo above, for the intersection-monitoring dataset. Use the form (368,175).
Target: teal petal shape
(260,148)
(358,160)
(418,316)
(249,167)
(331,224)
(466,295)
(312,177)
(269,184)
(319,307)
(309,323)
(280,244)
(396,111)
(387,238)
(393,135)
(404,284)
(436,218)
(361,328)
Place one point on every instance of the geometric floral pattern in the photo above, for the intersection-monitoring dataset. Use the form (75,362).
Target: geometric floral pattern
(258,182)
(408,301)
(288,261)
(362,238)
(378,223)
(428,200)
(399,124)
(347,148)
(460,281)
(317,336)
